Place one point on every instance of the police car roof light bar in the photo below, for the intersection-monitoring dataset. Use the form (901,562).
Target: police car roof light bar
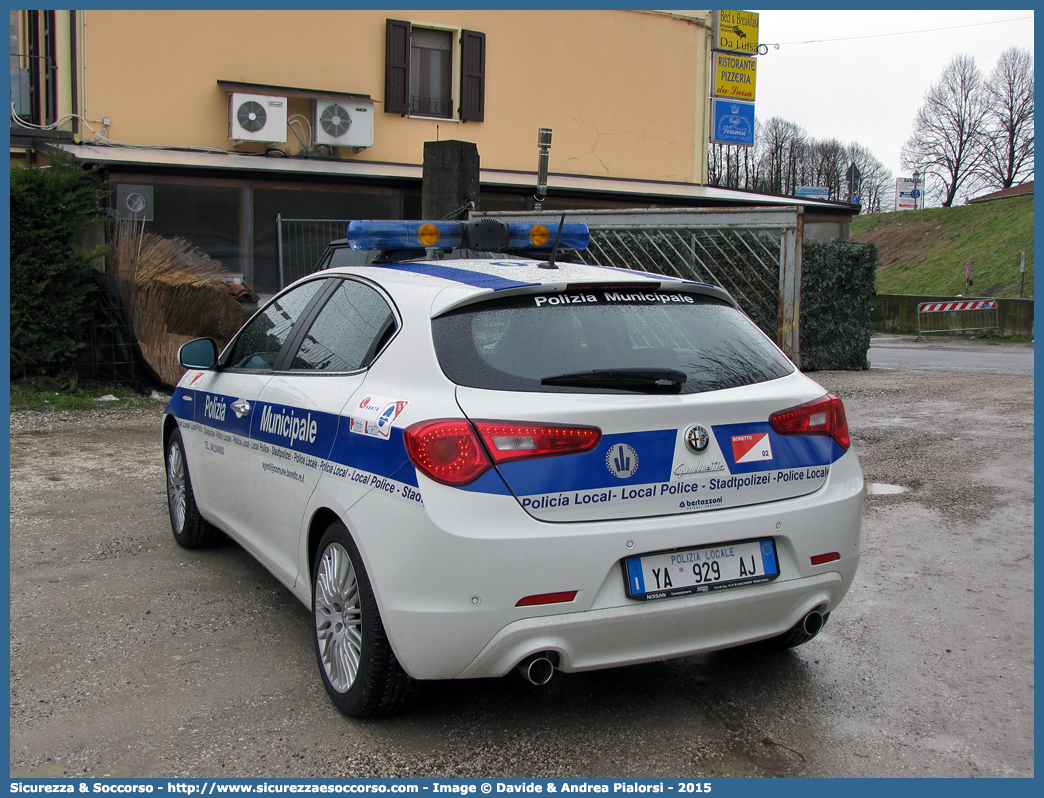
(399,237)
(401,234)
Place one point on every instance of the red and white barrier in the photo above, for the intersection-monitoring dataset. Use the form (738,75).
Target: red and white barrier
(975,304)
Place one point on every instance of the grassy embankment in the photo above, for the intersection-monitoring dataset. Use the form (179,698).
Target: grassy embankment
(923,252)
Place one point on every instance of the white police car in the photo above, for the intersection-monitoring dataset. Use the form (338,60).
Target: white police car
(466,466)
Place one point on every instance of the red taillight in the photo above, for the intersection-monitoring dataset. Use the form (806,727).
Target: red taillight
(449,451)
(506,440)
(824,416)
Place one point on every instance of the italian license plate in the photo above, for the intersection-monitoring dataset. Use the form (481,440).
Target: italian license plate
(684,572)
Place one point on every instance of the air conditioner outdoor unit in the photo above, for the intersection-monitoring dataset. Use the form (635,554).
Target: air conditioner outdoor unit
(256,117)
(343,123)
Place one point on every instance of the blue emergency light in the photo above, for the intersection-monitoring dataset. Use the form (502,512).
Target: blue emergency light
(488,235)
(391,234)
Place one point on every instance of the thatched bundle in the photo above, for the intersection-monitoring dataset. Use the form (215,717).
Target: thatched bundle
(173,292)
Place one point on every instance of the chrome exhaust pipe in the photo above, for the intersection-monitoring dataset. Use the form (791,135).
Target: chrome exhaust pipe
(536,669)
(812,623)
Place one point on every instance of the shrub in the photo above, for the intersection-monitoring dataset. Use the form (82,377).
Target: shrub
(837,285)
(51,311)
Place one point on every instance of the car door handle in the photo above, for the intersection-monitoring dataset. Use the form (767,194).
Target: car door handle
(240,407)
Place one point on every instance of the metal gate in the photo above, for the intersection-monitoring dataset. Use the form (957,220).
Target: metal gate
(301,242)
(754,254)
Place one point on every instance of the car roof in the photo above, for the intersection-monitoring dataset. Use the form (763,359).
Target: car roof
(454,282)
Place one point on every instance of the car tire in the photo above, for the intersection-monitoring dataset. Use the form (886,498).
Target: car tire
(359,670)
(191,530)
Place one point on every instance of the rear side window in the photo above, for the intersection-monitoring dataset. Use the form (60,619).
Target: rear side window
(348,332)
(514,343)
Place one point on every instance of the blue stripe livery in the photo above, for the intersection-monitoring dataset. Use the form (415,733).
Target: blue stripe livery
(788,451)
(586,471)
(476,279)
(383,456)
(308,431)
(182,404)
(489,482)
(213,409)
(323,435)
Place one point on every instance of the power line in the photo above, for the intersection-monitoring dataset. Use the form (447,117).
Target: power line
(902,33)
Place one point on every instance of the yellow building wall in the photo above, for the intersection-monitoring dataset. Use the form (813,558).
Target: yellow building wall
(624,91)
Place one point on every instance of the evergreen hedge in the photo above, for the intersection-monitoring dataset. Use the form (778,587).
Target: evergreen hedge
(837,286)
(51,286)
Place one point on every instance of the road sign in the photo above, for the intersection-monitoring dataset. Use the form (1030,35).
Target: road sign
(853,177)
(733,122)
(904,197)
(734,76)
(736,31)
(813,192)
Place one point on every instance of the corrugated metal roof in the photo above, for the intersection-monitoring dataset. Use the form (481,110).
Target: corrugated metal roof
(204,159)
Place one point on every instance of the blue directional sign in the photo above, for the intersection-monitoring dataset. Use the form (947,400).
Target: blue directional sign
(732,122)
(813,192)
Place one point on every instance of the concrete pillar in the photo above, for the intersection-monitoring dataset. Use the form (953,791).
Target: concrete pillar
(450,179)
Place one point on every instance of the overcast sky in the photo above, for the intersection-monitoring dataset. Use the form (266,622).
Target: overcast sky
(868,89)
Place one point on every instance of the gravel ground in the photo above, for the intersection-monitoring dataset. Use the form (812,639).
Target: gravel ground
(108,416)
(131,657)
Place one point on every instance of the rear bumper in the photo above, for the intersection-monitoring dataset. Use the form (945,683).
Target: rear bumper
(661,630)
(448,579)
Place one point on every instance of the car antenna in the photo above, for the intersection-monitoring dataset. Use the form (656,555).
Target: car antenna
(554,250)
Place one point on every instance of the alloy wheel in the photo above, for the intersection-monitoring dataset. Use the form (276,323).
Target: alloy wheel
(338,617)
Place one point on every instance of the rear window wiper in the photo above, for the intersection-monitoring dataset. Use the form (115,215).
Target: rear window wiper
(627,379)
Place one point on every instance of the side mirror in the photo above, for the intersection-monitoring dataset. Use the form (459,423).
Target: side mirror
(198,354)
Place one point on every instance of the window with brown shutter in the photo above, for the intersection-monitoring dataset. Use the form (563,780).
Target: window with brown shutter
(397,68)
(418,67)
(472,76)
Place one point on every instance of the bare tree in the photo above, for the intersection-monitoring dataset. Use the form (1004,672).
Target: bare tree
(724,165)
(716,157)
(828,165)
(949,131)
(782,155)
(1009,158)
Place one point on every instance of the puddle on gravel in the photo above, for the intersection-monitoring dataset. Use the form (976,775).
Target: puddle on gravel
(883,489)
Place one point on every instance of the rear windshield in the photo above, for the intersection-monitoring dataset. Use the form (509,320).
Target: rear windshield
(514,343)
